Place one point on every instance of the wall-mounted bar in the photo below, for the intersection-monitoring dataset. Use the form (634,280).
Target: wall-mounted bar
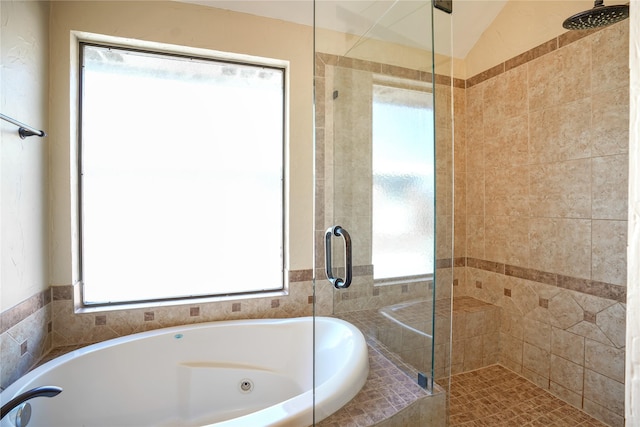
(24,130)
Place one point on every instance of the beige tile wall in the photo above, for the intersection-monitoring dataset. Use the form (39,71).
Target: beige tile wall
(49,320)
(544,207)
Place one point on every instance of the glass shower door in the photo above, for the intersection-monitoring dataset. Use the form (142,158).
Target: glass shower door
(377,175)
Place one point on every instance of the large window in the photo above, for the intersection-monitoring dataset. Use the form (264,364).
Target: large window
(181,175)
(403,182)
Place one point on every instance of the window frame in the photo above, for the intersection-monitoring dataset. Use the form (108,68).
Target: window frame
(172,51)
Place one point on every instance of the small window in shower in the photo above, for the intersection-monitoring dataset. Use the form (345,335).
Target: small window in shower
(181,175)
(403,181)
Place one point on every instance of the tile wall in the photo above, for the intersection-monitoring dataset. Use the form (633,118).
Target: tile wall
(48,320)
(543,225)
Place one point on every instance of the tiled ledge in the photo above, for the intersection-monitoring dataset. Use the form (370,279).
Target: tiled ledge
(387,392)
(591,287)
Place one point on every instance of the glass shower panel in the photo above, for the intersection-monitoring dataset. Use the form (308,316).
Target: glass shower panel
(378,176)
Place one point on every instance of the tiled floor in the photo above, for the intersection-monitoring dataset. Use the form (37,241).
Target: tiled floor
(497,397)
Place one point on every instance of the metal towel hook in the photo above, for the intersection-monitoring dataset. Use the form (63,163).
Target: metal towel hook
(337,282)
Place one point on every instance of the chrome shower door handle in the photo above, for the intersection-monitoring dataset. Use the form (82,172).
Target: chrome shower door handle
(337,282)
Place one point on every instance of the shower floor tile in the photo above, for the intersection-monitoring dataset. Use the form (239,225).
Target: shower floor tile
(495,396)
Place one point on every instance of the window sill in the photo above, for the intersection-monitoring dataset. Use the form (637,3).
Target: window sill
(404,280)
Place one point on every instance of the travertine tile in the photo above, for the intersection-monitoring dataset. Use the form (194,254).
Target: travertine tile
(460,234)
(610,119)
(506,238)
(511,348)
(608,256)
(612,321)
(561,189)
(565,310)
(475,235)
(505,96)
(567,395)
(506,142)
(561,77)
(561,246)
(541,381)
(560,132)
(475,192)
(511,324)
(473,353)
(536,360)
(523,295)
(591,331)
(603,413)
(592,303)
(609,186)
(610,67)
(475,324)
(490,348)
(507,191)
(566,373)
(567,345)
(537,333)
(605,360)
(604,391)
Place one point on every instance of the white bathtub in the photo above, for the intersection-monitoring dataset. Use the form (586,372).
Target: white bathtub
(193,376)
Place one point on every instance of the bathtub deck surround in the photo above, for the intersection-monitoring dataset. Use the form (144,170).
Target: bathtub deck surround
(390,397)
(196,383)
(48,320)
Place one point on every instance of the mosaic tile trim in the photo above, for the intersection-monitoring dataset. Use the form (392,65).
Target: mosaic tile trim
(585,286)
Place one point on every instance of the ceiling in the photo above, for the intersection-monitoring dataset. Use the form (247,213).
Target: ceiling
(396,21)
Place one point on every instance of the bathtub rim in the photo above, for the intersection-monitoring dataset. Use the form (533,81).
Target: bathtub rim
(322,406)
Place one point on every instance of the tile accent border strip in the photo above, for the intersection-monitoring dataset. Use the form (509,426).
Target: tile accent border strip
(386,69)
(586,286)
(533,53)
(19,312)
(16,314)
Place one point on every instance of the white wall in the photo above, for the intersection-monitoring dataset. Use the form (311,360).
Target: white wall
(23,197)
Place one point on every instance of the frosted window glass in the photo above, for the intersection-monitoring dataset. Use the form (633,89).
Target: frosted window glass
(181,176)
(403,182)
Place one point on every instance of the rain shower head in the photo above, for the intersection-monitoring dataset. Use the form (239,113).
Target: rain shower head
(599,16)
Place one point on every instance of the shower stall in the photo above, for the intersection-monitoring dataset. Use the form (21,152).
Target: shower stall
(384,210)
